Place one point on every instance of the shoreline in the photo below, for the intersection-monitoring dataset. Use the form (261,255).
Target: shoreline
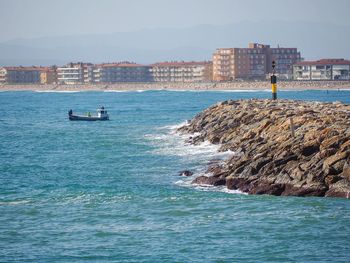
(173,86)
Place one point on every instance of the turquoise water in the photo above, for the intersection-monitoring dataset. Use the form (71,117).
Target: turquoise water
(109,191)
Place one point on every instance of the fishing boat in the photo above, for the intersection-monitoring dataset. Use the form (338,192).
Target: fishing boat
(102,115)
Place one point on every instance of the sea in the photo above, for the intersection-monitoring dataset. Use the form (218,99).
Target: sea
(111,191)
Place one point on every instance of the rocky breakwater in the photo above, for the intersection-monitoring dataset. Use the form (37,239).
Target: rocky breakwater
(281,147)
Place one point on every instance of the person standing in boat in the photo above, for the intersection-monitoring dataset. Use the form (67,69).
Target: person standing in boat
(70,112)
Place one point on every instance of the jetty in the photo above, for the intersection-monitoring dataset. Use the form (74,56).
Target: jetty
(281,147)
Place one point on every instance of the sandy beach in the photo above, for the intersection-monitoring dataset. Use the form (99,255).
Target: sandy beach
(227,86)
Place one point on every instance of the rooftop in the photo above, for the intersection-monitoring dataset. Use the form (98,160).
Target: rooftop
(120,64)
(327,61)
(32,68)
(180,63)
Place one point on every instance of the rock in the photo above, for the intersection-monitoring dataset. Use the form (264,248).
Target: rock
(332,179)
(201,180)
(209,180)
(345,146)
(268,159)
(332,160)
(339,189)
(238,183)
(303,191)
(214,139)
(332,142)
(308,150)
(214,169)
(185,173)
(346,173)
(259,163)
(327,152)
(285,160)
(267,188)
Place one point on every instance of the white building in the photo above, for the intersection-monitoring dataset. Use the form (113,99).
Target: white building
(3,75)
(324,69)
(75,73)
(181,71)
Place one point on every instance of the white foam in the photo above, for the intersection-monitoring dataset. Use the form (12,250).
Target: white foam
(174,127)
(341,89)
(21,202)
(243,90)
(114,90)
(169,142)
(207,188)
(218,90)
(175,145)
(120,91)
(141,90)
(58,91)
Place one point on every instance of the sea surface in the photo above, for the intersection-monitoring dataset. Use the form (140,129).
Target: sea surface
(110,191)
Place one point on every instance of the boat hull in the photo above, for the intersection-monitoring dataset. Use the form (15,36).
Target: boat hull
(87,118)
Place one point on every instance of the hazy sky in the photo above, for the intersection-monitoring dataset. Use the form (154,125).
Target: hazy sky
(37,18)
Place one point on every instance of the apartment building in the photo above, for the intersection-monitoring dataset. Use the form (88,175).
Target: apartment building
(324,69)
(88,73)
(253,62)
(121,72)
(75,73)
(3,75)
(48,76)
(20,75)
(181,71)
(224,64)
(284,58)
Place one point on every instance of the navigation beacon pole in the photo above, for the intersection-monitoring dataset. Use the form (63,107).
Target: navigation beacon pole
(274,82)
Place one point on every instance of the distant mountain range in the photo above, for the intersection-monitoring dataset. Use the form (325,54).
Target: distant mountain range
(314,40)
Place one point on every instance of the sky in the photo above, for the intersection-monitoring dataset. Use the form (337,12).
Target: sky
(42,18)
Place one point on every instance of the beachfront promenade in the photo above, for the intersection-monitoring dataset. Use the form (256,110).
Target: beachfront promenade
(236,85)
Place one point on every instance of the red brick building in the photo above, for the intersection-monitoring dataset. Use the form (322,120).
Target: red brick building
(253,62)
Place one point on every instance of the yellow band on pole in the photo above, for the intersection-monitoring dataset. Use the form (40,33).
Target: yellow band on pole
(274,88)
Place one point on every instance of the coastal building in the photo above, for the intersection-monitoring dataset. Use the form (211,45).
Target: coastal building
(3,75)
(20,75)
(208,72)
(253,62)
(284,58)
(182,71)
(48,76)
(121,72)
(88,73)
(324,69)
(224,64)
(75,73)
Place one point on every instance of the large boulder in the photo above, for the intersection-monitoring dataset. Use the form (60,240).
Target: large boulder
(185,173)
(339,189)
(209,180)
